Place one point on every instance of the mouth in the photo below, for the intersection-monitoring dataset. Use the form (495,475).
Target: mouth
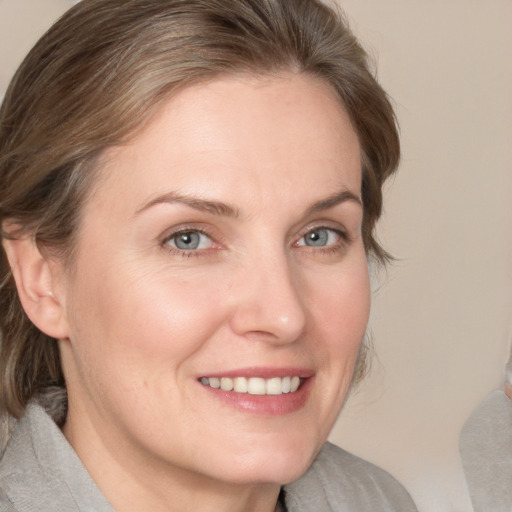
(255,385)
(261,391)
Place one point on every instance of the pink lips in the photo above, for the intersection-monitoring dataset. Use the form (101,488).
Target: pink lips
(267,404)
(264,372)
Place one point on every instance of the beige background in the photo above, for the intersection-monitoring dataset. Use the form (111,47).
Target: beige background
(442,314)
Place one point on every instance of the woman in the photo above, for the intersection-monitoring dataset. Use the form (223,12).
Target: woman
(189,192)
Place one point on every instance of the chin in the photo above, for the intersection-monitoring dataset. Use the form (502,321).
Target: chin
(275,466)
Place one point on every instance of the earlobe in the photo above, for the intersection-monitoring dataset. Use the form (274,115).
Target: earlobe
(35,276)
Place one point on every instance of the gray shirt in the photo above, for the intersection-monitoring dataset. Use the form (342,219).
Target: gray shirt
(486,450)
(40,472)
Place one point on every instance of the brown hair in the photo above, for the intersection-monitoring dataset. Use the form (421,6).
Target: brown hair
(98,75)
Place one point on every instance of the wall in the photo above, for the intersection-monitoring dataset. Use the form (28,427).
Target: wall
(441,315)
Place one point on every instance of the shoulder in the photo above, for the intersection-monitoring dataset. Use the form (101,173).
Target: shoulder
(338,480)
(335,464)
(24,473)
(485,446)
(494,412)
(40,471)
(20,473)
(5,503)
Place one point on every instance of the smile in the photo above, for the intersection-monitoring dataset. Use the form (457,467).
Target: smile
(254,385)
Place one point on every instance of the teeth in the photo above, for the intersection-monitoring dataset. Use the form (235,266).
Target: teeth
(254,385)
(214,382)
(226,384)
(274,386)
(240,385)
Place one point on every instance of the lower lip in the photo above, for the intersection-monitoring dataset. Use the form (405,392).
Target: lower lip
(265,405)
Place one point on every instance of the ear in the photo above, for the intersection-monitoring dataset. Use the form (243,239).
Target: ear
(36,277)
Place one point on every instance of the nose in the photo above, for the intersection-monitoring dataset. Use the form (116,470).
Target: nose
(268,303)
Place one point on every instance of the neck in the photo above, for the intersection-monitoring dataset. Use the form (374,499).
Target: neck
(161,488)
(215,497)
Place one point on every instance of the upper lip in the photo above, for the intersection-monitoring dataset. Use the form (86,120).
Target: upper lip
(264,372)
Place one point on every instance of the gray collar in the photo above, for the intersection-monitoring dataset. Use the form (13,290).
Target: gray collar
(39,457)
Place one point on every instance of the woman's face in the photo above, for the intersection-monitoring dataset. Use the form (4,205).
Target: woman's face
(222,247)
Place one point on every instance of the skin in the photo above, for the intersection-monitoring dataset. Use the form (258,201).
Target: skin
(141,319)
(508,390)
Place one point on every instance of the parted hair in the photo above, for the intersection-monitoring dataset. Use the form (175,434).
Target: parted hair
(97,77)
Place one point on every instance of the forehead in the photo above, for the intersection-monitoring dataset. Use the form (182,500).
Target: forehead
(243,132)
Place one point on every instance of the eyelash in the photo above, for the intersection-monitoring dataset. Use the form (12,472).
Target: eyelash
(344,240)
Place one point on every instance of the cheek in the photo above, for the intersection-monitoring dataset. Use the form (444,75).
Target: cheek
(341,308)
(124,317)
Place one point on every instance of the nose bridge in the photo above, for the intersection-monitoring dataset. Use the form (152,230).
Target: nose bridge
(270,301)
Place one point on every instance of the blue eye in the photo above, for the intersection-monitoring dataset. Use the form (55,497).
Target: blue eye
(320,237)
(189,241)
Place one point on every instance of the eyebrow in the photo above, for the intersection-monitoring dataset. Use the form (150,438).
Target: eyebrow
(334,200)
(226,210)
(204,205)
